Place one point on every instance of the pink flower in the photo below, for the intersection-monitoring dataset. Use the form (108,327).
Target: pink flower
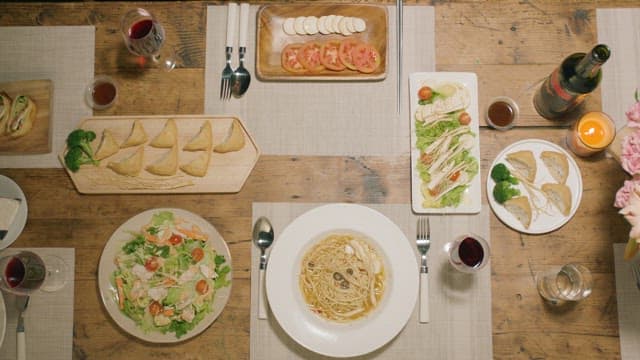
(633,115)
(631,212)
(624,193)
(631,153)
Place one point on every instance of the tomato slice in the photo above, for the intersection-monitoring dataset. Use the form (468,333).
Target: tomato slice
(289,58)
(346,47)
(366,58)
(331,56)
(309,56)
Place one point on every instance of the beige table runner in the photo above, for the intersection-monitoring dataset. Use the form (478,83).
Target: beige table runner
(324,118)
(48,320)
(63,54)
(620,30)
(460,326)
(628,297)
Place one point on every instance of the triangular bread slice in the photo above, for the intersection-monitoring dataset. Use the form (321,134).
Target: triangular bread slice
(5,111)
(137,135)
(202,140)
(525,163)
(559,195)
(520,208)
(234,140)
(168,137)
(166,165)
(198,166)
(129,166)
(108,146)
(557,164)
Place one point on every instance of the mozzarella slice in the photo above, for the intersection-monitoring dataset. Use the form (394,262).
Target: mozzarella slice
(311,25)
(349,23)
(298,25)
(359,25)
(343,27)
(288,26)
(322,27)
(328,23)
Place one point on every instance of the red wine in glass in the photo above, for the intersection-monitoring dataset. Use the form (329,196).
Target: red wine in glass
(145,37)
(469,253)
(22,273)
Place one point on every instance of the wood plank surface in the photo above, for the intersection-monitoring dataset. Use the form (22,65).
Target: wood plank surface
(510,44)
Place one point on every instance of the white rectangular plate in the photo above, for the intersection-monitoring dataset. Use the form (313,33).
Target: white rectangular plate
(471,201)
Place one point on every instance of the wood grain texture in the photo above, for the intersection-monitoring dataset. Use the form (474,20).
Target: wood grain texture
(510,44)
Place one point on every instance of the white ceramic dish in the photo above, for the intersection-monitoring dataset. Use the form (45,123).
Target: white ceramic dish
(3,319)
(471,202)
(360,336)
(9,189)
(543,222)
(108,290)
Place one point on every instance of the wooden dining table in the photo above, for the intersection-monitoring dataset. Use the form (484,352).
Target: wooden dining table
(511,45)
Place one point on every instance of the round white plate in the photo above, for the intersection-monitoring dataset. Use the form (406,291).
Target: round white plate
(3,319)
(360,336)
(9,189)
(542,222)
(108,290)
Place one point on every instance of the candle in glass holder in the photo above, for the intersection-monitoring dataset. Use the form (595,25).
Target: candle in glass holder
(591,134)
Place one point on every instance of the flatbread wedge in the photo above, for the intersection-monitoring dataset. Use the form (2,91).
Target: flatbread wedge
(137,135)
(524,163)
(557,164)
(129,166)
(22,116)
(234,140)
(202,140)
(168,137)
(198,166)
(559,195)
(521,209)
(107,147)
(166,165)
(5,111)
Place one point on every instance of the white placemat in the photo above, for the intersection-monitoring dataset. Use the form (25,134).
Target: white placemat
(62,54)
(628,297)
(620,30)
(324,118)
(460,304)
(48,321)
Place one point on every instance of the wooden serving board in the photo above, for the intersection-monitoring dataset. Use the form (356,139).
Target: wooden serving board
(271,39)
(38,140)
(227,172)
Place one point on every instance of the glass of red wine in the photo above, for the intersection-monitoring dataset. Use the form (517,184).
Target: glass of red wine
(469,253)
(25,272)
(145,38)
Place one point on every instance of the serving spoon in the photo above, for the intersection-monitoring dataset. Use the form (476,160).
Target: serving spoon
(263,238)
(241,78)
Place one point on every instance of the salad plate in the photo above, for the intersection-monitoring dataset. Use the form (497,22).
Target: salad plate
(9,189)
(445,143)
(547,218)
(359,336)
(171,295)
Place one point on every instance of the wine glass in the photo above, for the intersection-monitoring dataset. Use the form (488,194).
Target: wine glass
(468,253)
(25,272)
(145,37)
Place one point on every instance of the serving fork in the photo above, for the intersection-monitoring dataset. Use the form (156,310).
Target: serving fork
(635,269)
(423,242)
(227,72)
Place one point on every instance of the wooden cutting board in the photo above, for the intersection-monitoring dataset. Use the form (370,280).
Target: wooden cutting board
(227,172)
(38,140)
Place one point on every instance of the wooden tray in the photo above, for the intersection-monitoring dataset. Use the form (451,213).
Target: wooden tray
(38,140)
(227,172)
(271,39)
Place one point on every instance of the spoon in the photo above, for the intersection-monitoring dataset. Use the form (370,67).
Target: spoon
(263,238)
(241,78)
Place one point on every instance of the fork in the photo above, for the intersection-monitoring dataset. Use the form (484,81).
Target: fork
(423,242)
(225,81)
(635,269)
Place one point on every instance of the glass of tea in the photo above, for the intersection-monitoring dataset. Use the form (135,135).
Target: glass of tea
(102,92)
(591,134)
(25,272)
(502,113)
(145,37)
(469,253)
(570,282)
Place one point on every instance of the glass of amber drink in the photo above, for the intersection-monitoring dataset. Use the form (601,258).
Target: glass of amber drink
(591,134)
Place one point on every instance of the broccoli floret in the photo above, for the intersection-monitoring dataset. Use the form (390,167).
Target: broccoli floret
(500,172)
(503,191)
(75,157)
(82,139)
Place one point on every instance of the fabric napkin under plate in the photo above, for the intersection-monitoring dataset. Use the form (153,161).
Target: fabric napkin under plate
(628,297)
(62,54)
(460,304)
(349,118)
(620,30)
(48,320)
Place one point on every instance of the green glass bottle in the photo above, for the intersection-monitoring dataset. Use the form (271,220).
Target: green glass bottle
(569,84)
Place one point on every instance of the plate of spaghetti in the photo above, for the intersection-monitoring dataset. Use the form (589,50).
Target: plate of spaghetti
(341,280)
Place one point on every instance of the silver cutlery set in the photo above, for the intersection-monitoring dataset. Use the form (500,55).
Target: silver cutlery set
(235,82)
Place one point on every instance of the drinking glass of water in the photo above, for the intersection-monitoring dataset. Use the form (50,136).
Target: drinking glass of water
(468,253)
(570,282)
(145,37)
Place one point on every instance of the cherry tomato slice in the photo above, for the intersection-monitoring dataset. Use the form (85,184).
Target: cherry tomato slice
(202,287)
(366,58)
(330,56)
(152,264)
(155,308)
(309,56)
(425,93)
(197,254)
(175,239)
(289,59)
(346,46)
